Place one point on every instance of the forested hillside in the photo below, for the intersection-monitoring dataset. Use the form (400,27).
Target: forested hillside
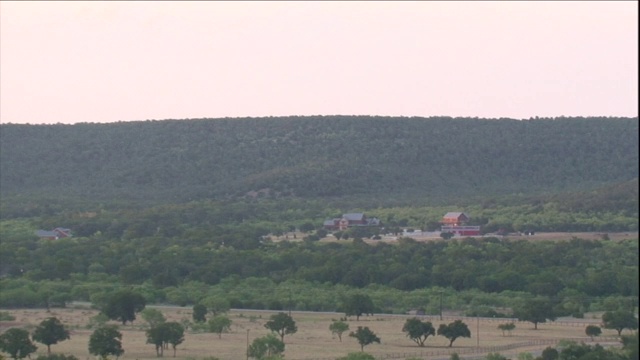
(186,210)
(386,158)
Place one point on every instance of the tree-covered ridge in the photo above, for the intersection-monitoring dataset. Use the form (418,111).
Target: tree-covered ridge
(331,156)
(576,275)
(209,242)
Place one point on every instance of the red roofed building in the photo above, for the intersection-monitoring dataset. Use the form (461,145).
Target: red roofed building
(455,218)
(455,223)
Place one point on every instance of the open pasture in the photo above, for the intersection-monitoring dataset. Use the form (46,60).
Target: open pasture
(313,339)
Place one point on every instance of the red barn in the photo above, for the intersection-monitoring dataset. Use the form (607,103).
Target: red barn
(455,219)
(455,223)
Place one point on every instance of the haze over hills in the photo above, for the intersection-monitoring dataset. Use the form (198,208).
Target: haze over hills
(316,157)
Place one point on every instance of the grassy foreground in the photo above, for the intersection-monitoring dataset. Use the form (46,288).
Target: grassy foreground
(313,339)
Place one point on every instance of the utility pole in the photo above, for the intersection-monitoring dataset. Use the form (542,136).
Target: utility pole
(477,331)
(440,304)
(247,344)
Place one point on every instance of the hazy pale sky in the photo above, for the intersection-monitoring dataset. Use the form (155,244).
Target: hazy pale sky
(69,62)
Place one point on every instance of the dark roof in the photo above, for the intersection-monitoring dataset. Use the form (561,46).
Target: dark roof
(454,215)
(353,216)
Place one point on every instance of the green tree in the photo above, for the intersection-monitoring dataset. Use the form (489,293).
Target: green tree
(307,227)
(156,336)
(418,331)
(199,313)
(592,330)
(508,327)
(219,324)
(50,332)
(619,320)
(163,334)
(16,343)
(105,341)
(583,351)
(446,235)
(266,346)
(535,310)
(124,305)
(630,345)
(282,324)
(365,336)
(525,356)
(338,328)
(153,317)
(175,335)
(216,305)
(358,304)
(454,330)
(549,353)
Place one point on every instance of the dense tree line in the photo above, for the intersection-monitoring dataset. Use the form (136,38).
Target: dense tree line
(388,158)
(574,272)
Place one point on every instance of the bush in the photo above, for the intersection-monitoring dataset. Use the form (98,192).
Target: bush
(6,316)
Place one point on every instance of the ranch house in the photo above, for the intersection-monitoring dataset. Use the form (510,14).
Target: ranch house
(456,223)
(350,220)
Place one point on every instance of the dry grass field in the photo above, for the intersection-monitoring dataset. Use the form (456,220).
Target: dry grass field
(313,339)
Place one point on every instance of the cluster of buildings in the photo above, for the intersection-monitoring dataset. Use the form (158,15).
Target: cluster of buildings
(452,222)
(456,224)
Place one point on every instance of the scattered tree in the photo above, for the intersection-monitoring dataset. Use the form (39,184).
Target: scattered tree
(105,341)
(536,310)
(220,324)
(282,324)
(454,330)
(216,305)
(50,332)
(153,317)
(165,333)
(365,336)
(266,346)
(358,304)
(98,320)
(124,305)
(418,331)
(175,334)
(508,327)
(17,344)
(156,336)
(619,320)
(199,313)
(593,330)
(338,328)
